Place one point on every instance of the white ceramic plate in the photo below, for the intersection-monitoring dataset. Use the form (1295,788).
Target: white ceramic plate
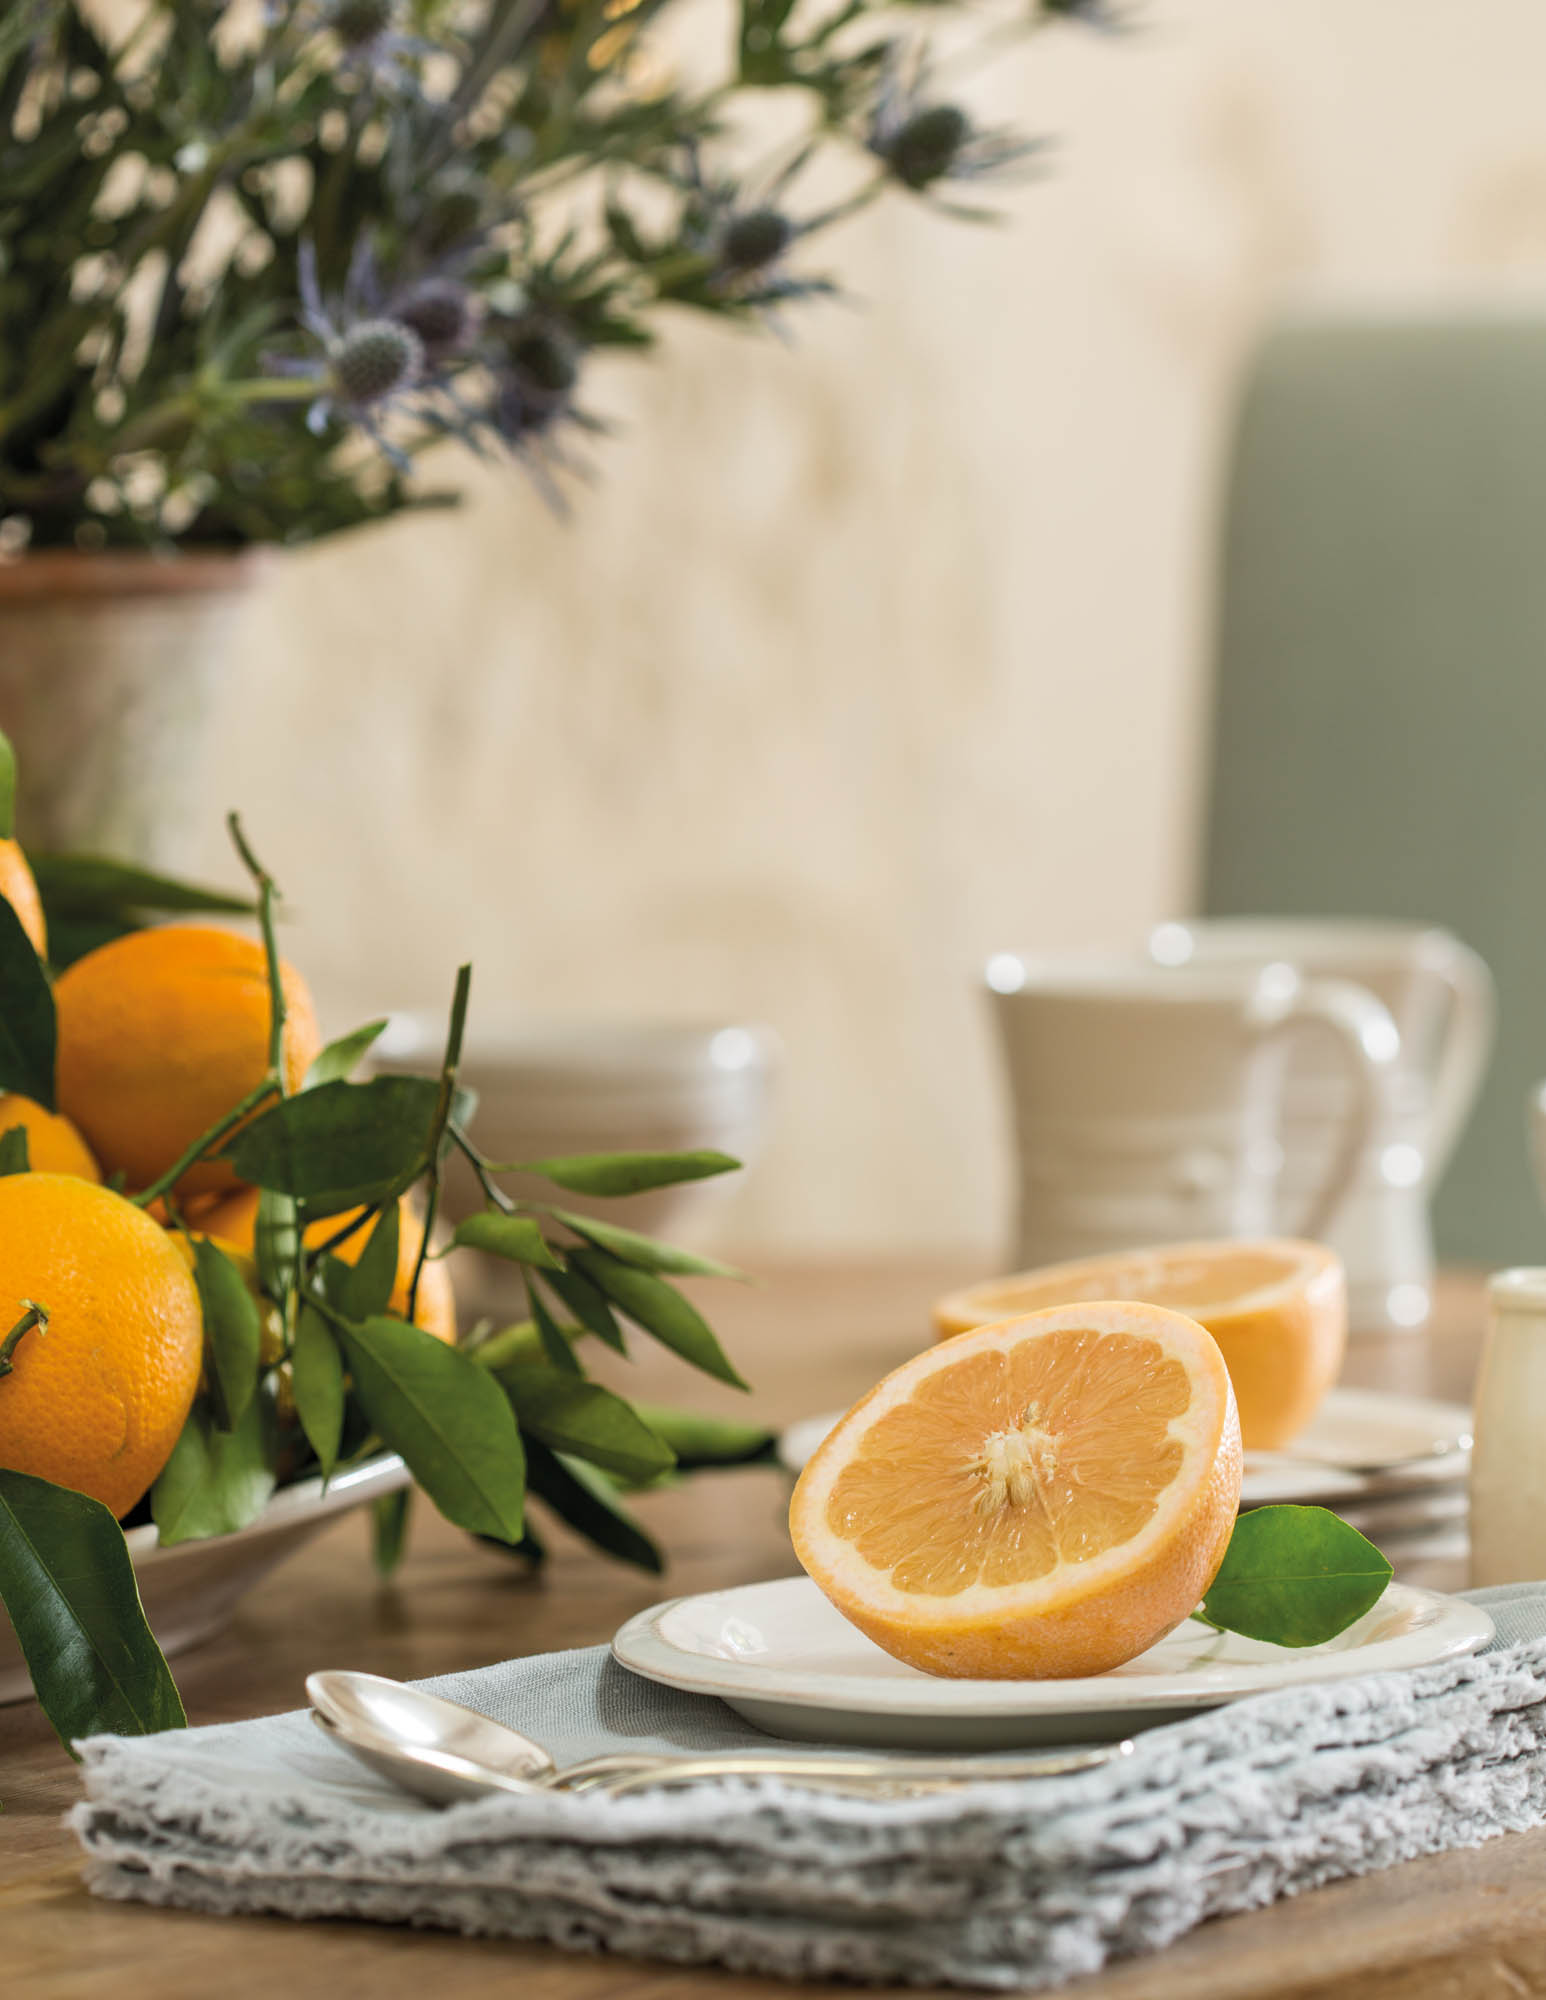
(191,1589)
(1404,1444)
(782,1657)
(1409,1443)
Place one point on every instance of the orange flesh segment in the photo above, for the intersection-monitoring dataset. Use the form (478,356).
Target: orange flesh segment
(999,1469)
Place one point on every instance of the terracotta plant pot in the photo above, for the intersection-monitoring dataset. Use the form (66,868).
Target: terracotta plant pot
(109,665)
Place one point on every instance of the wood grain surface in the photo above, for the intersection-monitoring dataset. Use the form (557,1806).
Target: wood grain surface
(1466,1926)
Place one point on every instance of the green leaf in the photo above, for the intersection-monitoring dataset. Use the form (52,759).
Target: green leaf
(362,1289)
(389,1529)
(27,1029)
(589,1306)
(571,1415)
(69,1588)
(70,938)
(215,1481)
(276,1242)
(7,789)
(643,1251)
(581,1496)
(520,1341)
(14,1156)
(339,1059)
(625,1173)
(94,885)
(1294,1576)
(448,1418)
(651,1303)
(342,1145)
(555,1346)
(233,1332)
(317,1379)
(516,1237)
(700,1440)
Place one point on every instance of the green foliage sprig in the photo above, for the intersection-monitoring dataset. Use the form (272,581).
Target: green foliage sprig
(308,1369)
(256,256)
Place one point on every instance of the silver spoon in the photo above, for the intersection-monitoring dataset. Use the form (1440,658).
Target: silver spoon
(446,1753)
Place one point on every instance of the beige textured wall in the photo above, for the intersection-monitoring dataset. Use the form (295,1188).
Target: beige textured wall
(866,657)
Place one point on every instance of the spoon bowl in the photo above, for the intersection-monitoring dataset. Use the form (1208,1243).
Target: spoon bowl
(436,1747)
(433,1775)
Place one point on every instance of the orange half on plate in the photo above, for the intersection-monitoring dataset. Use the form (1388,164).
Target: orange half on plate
(1040,1499)
(1277,1308)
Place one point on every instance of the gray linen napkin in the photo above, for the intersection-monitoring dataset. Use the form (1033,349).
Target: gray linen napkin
(1020,1885)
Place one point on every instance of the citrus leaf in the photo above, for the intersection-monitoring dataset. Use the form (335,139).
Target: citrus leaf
(699,1440)
(588,1305)
(317,1380)
(339,1059)
(651,1303)
(70,938)
(581,1496)
(94,885)
(7,789)
(624,1173)
(389,1529)
(68,1586)
(233,1332)
(1294,1576)
(644,1251)
(362,1289)
(27,1030)
(582,1418)
(342,1145)
(515,1237)
(276,1242)
(448,1418)
(519,1341)
(14,1154)
(554,1345)
(215,1481)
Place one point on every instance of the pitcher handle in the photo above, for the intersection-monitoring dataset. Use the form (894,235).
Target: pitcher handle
(1371,1046)
(1466,1049)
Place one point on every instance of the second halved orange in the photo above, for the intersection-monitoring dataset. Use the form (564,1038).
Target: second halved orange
(1277,1308)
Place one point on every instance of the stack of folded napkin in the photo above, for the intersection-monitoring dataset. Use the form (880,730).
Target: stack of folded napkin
(1021,1884)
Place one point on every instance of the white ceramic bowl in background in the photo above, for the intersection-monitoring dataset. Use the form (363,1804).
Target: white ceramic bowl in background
(602,1087)
(191,1589)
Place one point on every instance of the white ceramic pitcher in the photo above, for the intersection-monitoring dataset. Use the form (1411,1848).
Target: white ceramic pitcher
(1440,995)
(1148,1101)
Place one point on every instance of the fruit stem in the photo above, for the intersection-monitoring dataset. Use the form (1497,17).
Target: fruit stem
(34,1316)
(264,883)
(205,1141)
(442,1119)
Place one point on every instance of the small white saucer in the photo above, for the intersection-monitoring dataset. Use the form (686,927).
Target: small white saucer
(782,1657)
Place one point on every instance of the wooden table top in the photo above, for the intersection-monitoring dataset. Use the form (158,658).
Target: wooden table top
(1460,1926)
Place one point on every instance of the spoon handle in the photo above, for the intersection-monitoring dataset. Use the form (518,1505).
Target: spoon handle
(825,1770)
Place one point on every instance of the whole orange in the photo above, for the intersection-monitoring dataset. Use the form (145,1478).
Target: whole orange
(53,1144)
(95,1399)
(163,1032)
(235,1221)
(21,892)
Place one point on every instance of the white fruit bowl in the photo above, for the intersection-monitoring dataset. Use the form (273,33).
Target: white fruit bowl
(191,1589)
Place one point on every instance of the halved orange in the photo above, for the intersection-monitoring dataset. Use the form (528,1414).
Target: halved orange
(1277,1308)
(1039,1499)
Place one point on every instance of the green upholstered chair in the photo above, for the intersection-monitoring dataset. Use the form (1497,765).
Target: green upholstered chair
(1380,744)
